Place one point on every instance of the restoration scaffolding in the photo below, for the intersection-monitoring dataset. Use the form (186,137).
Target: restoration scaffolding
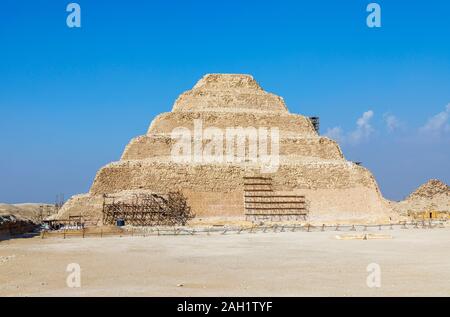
(262,203)
(147,210)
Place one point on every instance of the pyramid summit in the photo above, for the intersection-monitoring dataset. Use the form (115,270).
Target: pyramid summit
(228,92)
(213,181)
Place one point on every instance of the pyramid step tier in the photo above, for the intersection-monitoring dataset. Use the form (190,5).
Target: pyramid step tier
(144,147)
(166,122)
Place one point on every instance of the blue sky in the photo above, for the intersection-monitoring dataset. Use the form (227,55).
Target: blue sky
(71,99)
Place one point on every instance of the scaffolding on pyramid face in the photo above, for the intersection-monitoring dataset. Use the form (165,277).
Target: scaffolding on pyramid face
(261,202)
(147,210)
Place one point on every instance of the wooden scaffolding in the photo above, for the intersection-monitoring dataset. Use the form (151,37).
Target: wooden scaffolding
(262,203)
(147,210)
(316,123)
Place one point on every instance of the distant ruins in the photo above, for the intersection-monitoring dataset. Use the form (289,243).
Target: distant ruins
(309,175)
(431,200)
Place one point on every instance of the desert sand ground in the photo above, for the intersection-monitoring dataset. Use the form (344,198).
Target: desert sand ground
(415,262)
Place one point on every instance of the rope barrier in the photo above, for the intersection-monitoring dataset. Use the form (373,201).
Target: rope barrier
(146,231)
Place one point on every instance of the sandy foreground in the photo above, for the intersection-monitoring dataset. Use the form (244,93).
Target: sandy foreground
(415,262)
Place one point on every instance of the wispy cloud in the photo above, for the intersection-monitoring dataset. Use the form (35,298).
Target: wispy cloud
(336,134)
(361,133)
(363,128)
(436,128)
(437,124)
(391,121)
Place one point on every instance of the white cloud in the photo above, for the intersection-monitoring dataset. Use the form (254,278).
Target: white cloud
(363,128)
(335,133)
(437,124)
(361,133)
(391,121)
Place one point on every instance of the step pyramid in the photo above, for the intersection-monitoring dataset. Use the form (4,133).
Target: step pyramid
(308,164)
